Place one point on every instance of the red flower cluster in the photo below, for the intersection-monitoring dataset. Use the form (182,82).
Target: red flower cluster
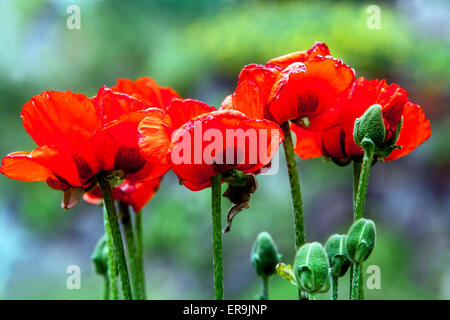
(141,130)
(80,137)
(320,96)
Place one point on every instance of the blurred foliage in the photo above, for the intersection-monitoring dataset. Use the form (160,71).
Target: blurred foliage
(198,47)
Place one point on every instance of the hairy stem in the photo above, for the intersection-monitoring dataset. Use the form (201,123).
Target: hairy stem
(355,282)
(217,236)
(139,254)
(294,180)
(357,278)
(119,252)
(125,219)
(296,193)
(112,267)
(334,287)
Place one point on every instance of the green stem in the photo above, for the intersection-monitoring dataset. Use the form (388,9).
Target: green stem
(106,288)
(355,282)
(125,219)
(356,175)
(265,288)
(357,278)
(139,253)
(334,287)
(313,296)
(112,267)
(294,180)
(363,182)
(357,163)
(217,236)
(296,193)
(361,282)
(119,252)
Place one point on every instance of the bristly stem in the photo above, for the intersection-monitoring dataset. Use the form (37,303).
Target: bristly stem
(363,182)
(357,287)
(356,282)
(334,287)
(108,202)
(265,288)
(112,267)
(296,193)
(217,236)
(357,163)
(294,180)
(139,253)
(125,219)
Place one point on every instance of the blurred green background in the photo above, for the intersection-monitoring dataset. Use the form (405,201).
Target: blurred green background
(198,48)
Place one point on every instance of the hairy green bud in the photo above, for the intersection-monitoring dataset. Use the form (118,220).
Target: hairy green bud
(311,268)
(370,132)
(370,126)
(337,254)
(264,256)
(100,256)
(361,240)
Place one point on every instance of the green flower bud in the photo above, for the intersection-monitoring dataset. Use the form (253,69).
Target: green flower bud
(100,256)
(337,254)
(311,268)
(370,126)
(264,257)
(361,240)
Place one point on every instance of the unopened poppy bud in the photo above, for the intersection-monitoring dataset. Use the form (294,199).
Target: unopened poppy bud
(311,268)
(361,240)
(100,256)
(337,255)
(264,257)
(370,126)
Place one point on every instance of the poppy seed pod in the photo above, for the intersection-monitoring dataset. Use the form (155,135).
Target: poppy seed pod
(311,268)
(264,257)
(337,255)
(370,126)
(100,256)
(361,240)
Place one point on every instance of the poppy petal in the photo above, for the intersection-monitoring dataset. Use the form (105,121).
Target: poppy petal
(319,48)
(64,119)
(111,105)
(21,166)
(307,143)
(262,76)
(415,131)
(181,111)
(147,90)
(247,99)
(61,166)
(154,143)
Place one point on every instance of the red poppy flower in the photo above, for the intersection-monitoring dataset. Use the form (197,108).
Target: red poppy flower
(200,147)
(134,193)
(301,86)
(337,142)
(79,137)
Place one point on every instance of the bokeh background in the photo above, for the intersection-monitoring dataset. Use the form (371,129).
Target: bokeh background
(198,48)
